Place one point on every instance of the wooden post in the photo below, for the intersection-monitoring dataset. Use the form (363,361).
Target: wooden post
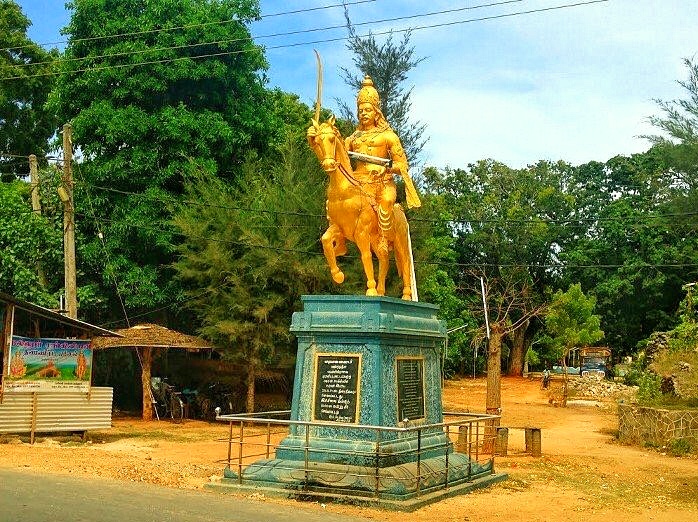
(146,363)
(33,427)
(69,224)
(7,320)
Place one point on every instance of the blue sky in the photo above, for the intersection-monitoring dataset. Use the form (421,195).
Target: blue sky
(575,84)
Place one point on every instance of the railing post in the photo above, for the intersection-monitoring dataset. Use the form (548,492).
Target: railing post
(448,443)
(268,438)
(419,460)
(307,455)
(242,435)
(378,456)
(230,443)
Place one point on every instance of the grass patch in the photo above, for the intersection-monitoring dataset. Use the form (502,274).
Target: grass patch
(680,447)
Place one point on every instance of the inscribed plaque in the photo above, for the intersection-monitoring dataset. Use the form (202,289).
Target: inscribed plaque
(337,387)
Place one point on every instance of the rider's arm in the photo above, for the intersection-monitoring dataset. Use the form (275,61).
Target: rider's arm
(397,154)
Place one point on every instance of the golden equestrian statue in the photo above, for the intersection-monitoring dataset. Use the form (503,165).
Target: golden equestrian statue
(361,201)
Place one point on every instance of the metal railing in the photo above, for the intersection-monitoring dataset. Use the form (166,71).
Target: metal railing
(257,436)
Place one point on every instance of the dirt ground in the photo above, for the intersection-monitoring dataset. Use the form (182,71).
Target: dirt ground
(584,473)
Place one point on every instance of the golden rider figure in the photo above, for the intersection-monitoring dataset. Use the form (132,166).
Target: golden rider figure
(375,137)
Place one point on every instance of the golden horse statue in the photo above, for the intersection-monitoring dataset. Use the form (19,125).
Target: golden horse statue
(352,214)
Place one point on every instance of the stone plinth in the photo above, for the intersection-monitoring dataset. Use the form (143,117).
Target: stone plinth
(365,364)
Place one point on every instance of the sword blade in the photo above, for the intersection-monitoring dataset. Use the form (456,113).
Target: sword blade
(375,160)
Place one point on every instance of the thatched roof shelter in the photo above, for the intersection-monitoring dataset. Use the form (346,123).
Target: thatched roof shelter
(152,335)
(145,337)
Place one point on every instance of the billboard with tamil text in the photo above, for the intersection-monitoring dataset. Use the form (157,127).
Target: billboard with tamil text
(48,365)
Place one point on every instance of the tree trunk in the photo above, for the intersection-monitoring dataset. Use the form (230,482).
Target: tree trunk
(494,370)
(518,351)
(494,387)
(147,362)
(251,373)
(565,380)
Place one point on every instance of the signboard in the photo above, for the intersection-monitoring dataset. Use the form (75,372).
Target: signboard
(594,352)
(48,365)
(336,393)
(410,388)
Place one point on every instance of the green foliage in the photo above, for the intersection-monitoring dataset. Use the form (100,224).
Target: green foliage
(649,392)
(570,321)
(680,447)
(244,260)
(623,220)
(146,109)
(532,357)
(435,256)
(388,64)
(28,242)
(25,126)
(501,220)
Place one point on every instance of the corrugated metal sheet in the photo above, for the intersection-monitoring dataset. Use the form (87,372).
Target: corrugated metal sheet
(56,411)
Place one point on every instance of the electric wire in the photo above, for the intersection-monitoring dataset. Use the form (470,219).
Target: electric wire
(100,235)
(254,38)
(436,263)
(415,219)
(186,26)
(300,44)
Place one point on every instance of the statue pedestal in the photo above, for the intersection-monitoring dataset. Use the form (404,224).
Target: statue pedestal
(366,365)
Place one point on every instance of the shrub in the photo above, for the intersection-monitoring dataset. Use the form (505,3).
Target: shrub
(649,391)
(680,447)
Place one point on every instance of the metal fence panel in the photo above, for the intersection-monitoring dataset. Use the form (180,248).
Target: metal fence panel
(56,412)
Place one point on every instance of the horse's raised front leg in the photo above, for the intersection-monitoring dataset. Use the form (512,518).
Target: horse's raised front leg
(333,244)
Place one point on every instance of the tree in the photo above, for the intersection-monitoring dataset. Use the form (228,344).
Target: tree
(250,251)
(508,225)
(679,122)
(628,246)
(388,64)
(436,267)
(25,125)
(25,238)
(184,85)
(570,323)
(510,309)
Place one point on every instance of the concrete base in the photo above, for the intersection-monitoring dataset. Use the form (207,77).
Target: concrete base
(395,487)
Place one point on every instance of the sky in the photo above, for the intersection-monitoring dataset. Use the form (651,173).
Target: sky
(575,84)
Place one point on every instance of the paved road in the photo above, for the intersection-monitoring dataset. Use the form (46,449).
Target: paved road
(30,497)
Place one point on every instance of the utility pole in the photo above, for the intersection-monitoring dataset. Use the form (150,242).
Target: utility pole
(66,194)
(34,178)
(36,207)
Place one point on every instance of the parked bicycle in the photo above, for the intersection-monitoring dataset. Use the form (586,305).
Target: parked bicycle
(166,400)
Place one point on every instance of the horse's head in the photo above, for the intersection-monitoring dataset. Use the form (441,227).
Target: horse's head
(327,142)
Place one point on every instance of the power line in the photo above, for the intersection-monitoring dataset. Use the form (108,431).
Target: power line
(211,205)
(187,26)
(254,38)
(561,266)
(462,221)
(314,42)
(160,309)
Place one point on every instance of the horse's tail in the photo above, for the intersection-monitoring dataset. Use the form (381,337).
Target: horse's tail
(403,248)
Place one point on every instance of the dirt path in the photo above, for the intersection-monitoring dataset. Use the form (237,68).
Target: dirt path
(583,474)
